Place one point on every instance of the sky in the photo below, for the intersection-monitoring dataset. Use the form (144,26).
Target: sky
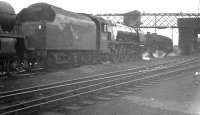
(120,6)
(115,6)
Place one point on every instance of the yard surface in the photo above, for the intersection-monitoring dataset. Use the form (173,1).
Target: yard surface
(176,96)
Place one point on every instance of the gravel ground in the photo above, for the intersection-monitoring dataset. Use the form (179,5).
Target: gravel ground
(176,96)
(60,75)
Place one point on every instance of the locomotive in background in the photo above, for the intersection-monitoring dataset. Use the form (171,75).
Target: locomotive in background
(152,45)
(48,35)
(156,46)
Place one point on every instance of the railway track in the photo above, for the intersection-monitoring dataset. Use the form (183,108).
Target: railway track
(34,71)
(74,91)
(140,69)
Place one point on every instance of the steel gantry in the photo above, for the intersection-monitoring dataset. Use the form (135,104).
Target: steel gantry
(154,20)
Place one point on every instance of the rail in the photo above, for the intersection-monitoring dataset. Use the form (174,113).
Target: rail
(79,89)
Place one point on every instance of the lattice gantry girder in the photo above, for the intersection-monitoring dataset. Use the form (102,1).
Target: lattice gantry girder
(154,20)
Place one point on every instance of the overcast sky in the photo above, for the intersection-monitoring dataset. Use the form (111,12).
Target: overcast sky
(115,6)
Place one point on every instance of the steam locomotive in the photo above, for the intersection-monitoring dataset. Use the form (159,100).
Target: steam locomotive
(61,37)
(47,35)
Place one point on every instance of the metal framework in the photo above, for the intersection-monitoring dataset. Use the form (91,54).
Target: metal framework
(154,20)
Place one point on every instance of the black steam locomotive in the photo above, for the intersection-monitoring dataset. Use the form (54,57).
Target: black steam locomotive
(12,47)
(48,35)
(62,37)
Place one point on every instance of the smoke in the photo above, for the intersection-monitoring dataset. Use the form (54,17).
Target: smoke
(146,56)
(159,54)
